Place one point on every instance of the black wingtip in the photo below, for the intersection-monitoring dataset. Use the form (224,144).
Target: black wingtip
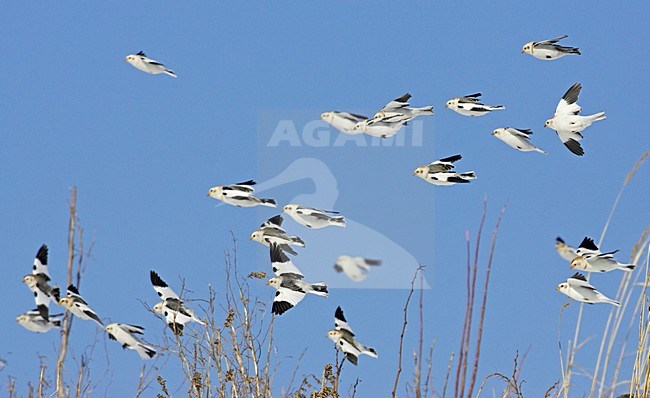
(588,243)
(42,254)
(352,358)
(559,240)
(249,182)
(277,255)
(338,314)
(280,307)
(56,292)
(403,98)
(73,289)
(571,96)
(277,220)
(177,328)
(575,147)
(452,159)
(141,53)
(579,276)
(475,95)
(156,280)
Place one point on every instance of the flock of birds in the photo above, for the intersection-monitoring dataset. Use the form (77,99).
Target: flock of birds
(288,281)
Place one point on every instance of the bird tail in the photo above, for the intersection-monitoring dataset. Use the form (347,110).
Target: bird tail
(339,221)
(197,320)
(170,73)
(468,175)
(543,152)
(56,323)
(597,116)
(298,241)
(319,289)
(145,351)
(613,302)
(574,50)
(627,267)
(425,110)
(369,351)
(268,202)
(497,107)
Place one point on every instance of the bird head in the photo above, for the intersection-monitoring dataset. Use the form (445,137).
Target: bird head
(421,171)
(276,281)
(451,103)
(334,335)
(257,236)
(22,319)
(130,58)
(579,263)
(65,302)
(326,116)
(158,308)
(110,328)
(562,287)
(549,123)
(528,48)
(290,208)
(215,192)
(498,132)
(30,280)
(361,125)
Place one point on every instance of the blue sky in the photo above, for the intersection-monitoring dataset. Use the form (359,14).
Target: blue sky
(143,151)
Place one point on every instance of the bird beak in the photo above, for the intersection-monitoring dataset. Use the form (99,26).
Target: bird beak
(251,238)
(446,105)
(522,51)
(126,59)
(208,194)
(414,173)
(557,288)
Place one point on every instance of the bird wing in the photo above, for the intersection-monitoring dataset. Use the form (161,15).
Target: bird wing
(470,98)
(40,262)
(275,221)
(163,290)
(397,103)
(132,328)
(578,281)
(568,105)
(552,41)
(523,133)
(73,292)
(281,264)
(285,299)
(340,322)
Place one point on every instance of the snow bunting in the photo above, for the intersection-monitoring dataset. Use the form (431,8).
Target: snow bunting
(549,49)
(34,322)
(240,195)
(37,283)
(517,138)
(124,334)
(399,110)
(591,259)
(356,268)
(343,336)
(440,172)
(577,288)
(148,65)
(343,121)
(271,231)
(313,218)
(176,313)
(565,251)
(291,289)
(74,303)
(469,105)
(568,124)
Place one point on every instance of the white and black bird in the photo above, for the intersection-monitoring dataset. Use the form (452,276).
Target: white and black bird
(567,122)
(288,282)
(145,64)
(577,288)
(314,218)
(355,268)
(517,138)
(124,334)
(565,251)
(589,258)
(34,322)
(400,111)
(38,284)
(343,121)
(343,336)
(74,303)
(469,105)
(440,172)
(176,313)
(271,232)
(549,49)
(240,195)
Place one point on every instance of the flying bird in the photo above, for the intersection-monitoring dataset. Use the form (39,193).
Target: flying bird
(568,124)
(378,127)
(577,288)
(38,284)
(399,110)
(291,289)
(517,138)
(271,231)
(240,195)
(124,334)
(176,313)
(356,268)
(549,49)
(589,258)
(343,121)
(440,172)
(34,322)
(140,61)
(469,105)
(343,336)
(314,218)
(565,251)
(74,303)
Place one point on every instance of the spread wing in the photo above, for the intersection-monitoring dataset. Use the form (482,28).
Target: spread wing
(163,290)
(281,264)
(568,105)
(40,262)
(285,299)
